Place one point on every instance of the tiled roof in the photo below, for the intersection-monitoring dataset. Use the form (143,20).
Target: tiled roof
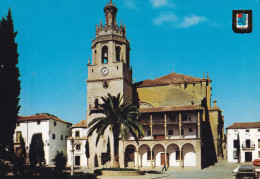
(40,117)
(81,124)
(244,125)
(170,108)
(172,78)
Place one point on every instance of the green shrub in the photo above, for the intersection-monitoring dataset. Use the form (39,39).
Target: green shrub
(60,161)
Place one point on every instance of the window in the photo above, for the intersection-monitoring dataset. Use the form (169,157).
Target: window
(149,154)
(78,147)
(170,132)
(258,154)
(258,143)
(149,133)
(96,103)
(235,154)
(118,49)
(235,146)
(18,124)
(18,135)
(190,129)
(105,54)
(68,126)
(38,122)
(77,134)
(182,132)
(258,130)
(54,123)
(247,130)
(61,137)
(184,117)
(177,154)
(53,136)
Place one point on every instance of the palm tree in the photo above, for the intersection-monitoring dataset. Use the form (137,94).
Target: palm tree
(121,116)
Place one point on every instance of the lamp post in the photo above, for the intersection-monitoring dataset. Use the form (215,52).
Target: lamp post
(72,150)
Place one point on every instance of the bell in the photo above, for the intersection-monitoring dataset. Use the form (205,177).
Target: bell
(105,55)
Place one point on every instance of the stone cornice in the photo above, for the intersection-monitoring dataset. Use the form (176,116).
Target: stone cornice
(110,37)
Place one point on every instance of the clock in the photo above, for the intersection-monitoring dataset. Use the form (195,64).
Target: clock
(104,71)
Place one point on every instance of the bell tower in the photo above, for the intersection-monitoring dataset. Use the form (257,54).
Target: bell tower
(109,69)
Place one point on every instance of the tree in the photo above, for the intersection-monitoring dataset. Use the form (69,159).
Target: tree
(87,150)
(238,148)
(60,161)
(9,85)
(121,116)
(36,152)
(108,154)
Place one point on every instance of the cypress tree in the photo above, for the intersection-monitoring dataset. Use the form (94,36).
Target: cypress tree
(87,151)
(36,152)
(9,85)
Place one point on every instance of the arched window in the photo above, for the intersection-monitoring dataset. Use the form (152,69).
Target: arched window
(105,54)
(118,50)
(96,103)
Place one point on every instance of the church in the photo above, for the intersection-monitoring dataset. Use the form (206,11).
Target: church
(181,127)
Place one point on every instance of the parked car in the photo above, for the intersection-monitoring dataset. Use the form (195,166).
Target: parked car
(246,172)
(256,162)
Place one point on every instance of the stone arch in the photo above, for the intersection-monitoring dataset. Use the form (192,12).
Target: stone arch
(104,54)
(189,154)
(159,150)
(144,154)
(130,155)
(173,151)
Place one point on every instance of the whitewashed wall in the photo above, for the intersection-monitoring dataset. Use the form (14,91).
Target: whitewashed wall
(232,134)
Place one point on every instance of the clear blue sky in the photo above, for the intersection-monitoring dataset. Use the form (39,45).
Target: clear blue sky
(189,37)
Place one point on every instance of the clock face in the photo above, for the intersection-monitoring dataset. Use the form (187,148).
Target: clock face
(104,71)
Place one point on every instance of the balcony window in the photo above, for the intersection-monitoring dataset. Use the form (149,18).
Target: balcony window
(248,143)
(235,144)
(184,117)
(149,133)
(78,147)
(190,129)
(77,134)
(170,132)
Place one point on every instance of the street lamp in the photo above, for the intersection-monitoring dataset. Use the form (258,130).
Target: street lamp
(72,150)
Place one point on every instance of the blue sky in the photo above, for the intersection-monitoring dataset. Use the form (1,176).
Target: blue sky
(189,37)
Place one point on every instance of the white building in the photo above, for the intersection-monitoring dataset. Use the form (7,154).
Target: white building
(245,136)
(54,133)
(79,135)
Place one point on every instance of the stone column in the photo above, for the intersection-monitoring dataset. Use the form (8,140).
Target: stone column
(165,127)
(137,159)
(198,131)
(151,126)
(180,165)
(151,157)
(180,124)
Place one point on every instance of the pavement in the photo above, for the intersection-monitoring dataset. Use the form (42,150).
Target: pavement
(221,170)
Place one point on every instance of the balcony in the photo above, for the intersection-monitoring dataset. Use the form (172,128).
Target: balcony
(248,146)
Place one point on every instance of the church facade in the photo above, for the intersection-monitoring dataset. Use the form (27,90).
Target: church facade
(180,127)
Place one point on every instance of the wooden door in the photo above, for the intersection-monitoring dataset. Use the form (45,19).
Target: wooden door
(163,158)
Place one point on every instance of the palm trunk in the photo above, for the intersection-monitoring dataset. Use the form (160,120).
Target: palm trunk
(116,157)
